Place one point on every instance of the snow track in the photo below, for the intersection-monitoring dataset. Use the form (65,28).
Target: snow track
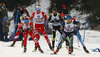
(16,51)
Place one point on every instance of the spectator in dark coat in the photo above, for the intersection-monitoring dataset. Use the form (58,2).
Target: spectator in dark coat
(20,13)
(20,9)
(5,24)
(3,13)
(64,9)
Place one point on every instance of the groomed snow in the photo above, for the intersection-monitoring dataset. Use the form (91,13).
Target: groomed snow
(92,41)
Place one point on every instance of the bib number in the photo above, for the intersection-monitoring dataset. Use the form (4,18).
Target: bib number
(38,20)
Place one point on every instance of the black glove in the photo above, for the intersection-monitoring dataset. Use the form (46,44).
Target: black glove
(23,30)
(52,21)
(28,29)
(57,20)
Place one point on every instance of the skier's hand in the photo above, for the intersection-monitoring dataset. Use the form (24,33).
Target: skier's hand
(28,29)
(52,21)
(57,20)
(23,30)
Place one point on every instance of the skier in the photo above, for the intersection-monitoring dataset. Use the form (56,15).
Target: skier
(55,19)
(24,16)
(27,28)
(39,17)
(68,31)
(77,33)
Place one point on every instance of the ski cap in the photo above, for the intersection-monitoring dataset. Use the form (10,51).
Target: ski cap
(26,21)
(38,7)
(5,18)
(68,17)
(63,5)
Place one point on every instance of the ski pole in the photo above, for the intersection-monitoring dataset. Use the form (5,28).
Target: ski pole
(84,31)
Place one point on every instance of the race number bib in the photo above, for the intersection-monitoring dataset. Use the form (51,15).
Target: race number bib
(69,28)
(38,20)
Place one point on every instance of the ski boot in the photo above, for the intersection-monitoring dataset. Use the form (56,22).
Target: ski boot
(35,48)
(25,49)
(70,51)
(56,51)
(12,45)
(67,44)
(85,49)
(50,47)
(40,50)
(53,44)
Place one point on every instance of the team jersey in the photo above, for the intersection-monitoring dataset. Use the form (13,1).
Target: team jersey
(24,27)
(38,18)
(69,27)
(54,18)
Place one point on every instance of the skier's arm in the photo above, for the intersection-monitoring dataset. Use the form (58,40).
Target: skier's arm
(31,26)
(20,26)
(61,19)
(32,16)
(49,20)
(77,23)
(44,15)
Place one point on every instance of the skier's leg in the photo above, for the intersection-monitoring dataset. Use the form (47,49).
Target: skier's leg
(59,45)
(25,34)
(43,31)
(53,39)
(80,38)
(37,36)
(59,30)
(15,39)
(36,41)
(71,44)
(22,42)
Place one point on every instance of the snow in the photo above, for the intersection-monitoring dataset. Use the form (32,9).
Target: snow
(92,41)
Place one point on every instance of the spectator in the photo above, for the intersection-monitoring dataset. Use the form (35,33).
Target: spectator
(3,13)
(20,13)
(64,9)
(5,24)
(20,9)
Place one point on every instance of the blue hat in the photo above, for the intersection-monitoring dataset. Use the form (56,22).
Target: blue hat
(5,18)
(26,21)
(68,17)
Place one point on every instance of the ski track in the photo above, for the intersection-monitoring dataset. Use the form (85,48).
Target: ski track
(17,51)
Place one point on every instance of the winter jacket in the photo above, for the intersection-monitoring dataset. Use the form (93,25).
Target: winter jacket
(3,14)
(17,16)
(64,11)
(5,26)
